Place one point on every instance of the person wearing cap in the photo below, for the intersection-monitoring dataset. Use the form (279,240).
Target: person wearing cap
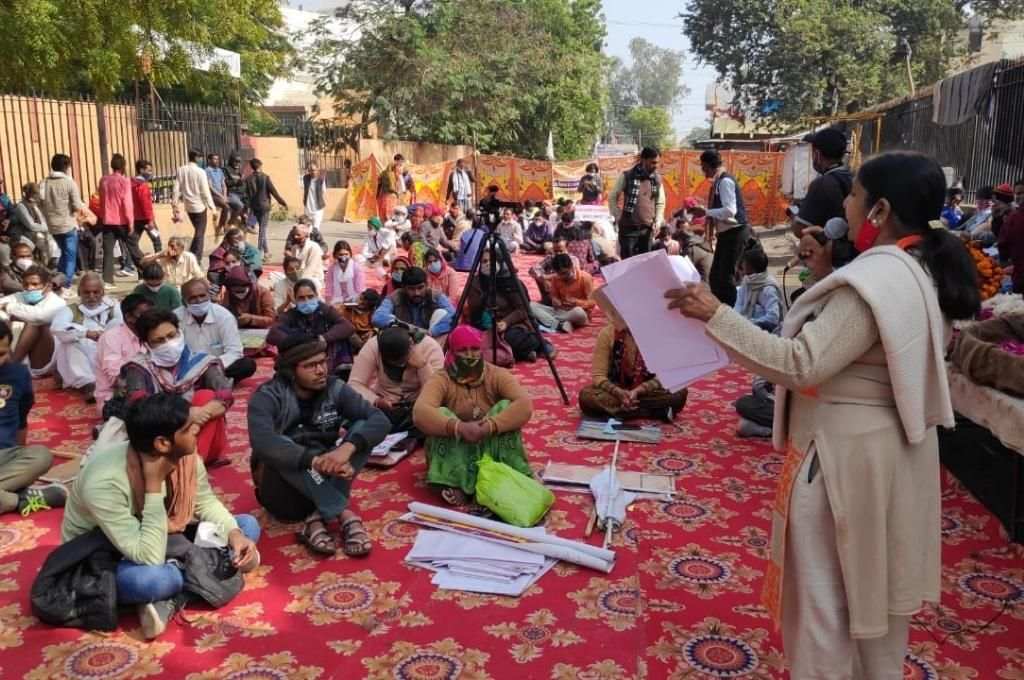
(1011,238)
(729,220)
(391,370)
(381,244)
(311,435)
(825,195)
(469,408)
(414,304)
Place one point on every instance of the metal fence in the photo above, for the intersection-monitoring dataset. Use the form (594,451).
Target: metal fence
(33,129)
(988,149)
(329,146)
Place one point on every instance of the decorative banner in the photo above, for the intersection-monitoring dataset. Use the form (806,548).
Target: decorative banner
(431,181)
(671,167)
(566,178)
(757,176)
(611,167)
(498,170)
(361,203)
(533,181)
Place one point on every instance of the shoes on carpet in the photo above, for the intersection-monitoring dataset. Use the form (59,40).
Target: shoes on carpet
(88,392)
(748,428)
(154,616)
(531,357)
(45,497)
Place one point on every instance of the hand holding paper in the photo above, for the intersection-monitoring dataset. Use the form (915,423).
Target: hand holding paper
(694,300)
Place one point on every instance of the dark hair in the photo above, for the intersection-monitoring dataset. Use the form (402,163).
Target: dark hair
(494,188)
(5,331)
(305,283)
(954,192)
(210,156)
(414,276)
(711,157)
(432,252)
(36,270)
(151,319)
(592,167)
(560,237)
(194,155)
(60,162)
(255,164)
(915,188)
(406,237)
(152,271)
(141,165)
(232,233)
(289,259)
(561,261)
(158,415)
(371,296)
(398,157)
(664,231)
(341,244)
(132,302)
(30,190)
(118,163)
(985,193)
(755,256)
(649,152)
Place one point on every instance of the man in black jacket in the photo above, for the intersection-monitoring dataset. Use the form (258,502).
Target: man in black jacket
(311,435)
(825,195)
(259,189)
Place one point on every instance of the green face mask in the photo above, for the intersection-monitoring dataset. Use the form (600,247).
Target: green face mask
(467,368)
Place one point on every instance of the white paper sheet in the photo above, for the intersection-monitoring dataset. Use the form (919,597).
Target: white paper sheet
(384,448)
(442,545)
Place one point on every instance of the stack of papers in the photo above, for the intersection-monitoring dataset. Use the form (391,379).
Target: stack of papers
(462,562)
(384,448)
(675,348)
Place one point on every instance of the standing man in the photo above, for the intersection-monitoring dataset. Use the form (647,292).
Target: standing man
(60,201)
(460,186)
(259,189)
(314,197)
(234,183)
(142,202)
(192,187)
(218,190)
(728,218)
(825,195)
(643,204)
(118,219)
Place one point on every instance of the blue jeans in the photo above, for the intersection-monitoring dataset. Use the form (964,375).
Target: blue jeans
(68,254)
(139,583)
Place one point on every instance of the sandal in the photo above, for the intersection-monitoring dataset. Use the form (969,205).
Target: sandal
(355,540)
(318,540)
(454,497)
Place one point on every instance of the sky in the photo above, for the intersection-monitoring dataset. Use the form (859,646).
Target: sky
(654,20)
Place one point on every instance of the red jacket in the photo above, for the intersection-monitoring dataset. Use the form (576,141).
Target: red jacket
(142,198)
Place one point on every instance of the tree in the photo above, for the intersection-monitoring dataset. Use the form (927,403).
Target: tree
(440,72)
(101,46)
(652,126)
(789,59)
(653,79)
(697,134)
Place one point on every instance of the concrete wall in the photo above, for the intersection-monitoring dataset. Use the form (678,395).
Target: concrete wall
(280,156)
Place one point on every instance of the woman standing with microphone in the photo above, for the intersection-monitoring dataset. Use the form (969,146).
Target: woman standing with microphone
(861,388)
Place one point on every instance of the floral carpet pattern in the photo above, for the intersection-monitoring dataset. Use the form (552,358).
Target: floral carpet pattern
(681,603)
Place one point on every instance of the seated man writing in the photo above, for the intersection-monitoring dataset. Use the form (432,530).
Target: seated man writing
(621,386)
(310,435)
(571,305)
(415,304)
(468,408)
(21,465)
(141,491)
(168,365)
(212,329)
(76,330)
(392,368)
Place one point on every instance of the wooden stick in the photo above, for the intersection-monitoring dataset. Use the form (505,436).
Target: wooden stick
(609,523)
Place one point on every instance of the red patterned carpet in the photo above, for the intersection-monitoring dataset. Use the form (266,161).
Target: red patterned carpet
(681,602)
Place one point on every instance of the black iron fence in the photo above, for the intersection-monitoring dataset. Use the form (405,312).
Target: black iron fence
(33,129)
(988,149)
(331,146)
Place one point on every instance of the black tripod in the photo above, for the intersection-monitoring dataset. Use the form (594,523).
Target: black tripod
(493,244)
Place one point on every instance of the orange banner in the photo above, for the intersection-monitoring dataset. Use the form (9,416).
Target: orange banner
(533,181)
(361,203)
(566,178)
(431,181)
(499,171)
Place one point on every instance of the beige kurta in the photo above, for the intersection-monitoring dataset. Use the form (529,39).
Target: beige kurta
(883,491)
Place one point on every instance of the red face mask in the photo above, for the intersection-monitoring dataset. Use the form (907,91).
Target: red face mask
(867,235)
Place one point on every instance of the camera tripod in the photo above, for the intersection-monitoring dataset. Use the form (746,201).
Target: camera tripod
(493,244)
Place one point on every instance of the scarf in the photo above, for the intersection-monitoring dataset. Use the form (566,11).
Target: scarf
(634,177)
(182,489)
(628,368)
(343,279)
(462,338)
(754,284)
(182,378)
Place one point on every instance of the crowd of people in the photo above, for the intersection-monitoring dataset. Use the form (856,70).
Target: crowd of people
(850,366)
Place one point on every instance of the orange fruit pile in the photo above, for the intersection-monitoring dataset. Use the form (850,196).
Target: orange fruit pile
(990,274)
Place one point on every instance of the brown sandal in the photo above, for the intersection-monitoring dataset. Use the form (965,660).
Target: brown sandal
(355,539)
(454,497)
(318,540)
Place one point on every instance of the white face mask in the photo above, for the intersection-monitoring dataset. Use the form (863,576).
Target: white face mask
(168,354)
(24,262)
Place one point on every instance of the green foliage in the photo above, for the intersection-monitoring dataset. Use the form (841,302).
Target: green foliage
(497,73)
(653,79)
(99,46)
(652,126)
(697,134)
(816,57)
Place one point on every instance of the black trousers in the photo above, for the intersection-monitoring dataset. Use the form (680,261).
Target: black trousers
(728,248)
(86,250)
(198,221)
(240,370)
(522,342)
(140,229)
(129,247)
(634,241)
